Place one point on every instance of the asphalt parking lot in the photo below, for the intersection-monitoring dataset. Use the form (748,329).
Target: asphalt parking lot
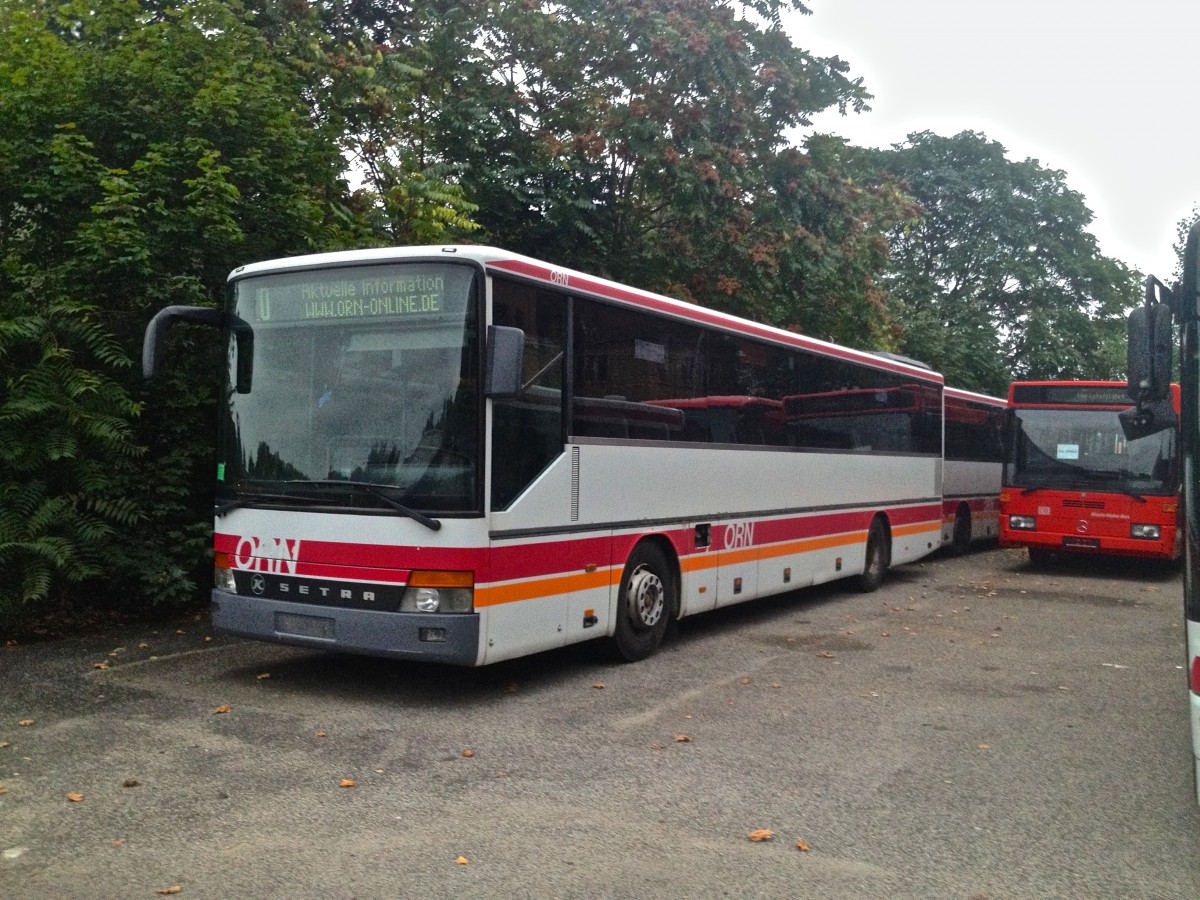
(975,729)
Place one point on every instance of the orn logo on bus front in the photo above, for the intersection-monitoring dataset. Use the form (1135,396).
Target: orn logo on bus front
(274,555)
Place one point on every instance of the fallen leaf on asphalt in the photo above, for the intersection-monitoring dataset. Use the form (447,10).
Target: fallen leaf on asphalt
(1064,688)
(131,782)
(223,708)
(263,675)
(885,634)
(119,842)
(180,631)
(143,646)
(25,723)
(347,782)
(3,789)
(985,747)
(682,739)
(461,860)
(599,685)
(776,685)
(825,654)
(468,753)
(74,797)
(745,681)
(802,846)
(512,688)
(321,734)
(100,665)
(3,744)
(173,889)
(761,834)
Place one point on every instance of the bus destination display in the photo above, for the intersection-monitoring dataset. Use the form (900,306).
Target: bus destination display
(411,292)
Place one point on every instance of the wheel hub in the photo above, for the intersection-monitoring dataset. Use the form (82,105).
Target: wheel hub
(646,598)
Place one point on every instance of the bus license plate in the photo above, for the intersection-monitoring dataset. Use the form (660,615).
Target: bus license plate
(318,627)
(1082,543)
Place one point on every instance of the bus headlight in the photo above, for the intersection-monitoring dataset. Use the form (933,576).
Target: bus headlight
(1022,523)
(223,574)
(1145,532)
(434,592)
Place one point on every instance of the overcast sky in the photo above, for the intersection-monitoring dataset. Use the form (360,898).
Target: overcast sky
(1107,91)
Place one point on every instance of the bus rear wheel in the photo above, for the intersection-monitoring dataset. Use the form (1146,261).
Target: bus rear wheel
(645,603)
(878,558)
(961,542)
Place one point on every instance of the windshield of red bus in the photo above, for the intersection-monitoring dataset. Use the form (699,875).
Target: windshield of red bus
(1085,449)
(363,391)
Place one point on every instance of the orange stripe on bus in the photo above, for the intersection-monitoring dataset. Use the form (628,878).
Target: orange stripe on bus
(709,561)
(565,584)
(542,587)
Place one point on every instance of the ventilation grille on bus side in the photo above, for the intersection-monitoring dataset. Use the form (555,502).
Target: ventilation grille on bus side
(574,484)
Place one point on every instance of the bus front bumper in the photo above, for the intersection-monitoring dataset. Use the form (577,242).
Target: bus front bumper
(446,638)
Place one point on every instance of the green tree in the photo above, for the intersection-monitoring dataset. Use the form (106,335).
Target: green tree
(656,152)
(145,151)
(1181,235)
(1000,279)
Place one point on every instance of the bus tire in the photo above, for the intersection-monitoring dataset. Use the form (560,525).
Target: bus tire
(878,558)
(645,603)
(961,542)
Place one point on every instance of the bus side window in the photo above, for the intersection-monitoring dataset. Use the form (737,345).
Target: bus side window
(527,430)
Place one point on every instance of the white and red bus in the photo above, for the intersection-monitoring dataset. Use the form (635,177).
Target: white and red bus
(1163,408)
(1073,482)
(464,455)
(974,457)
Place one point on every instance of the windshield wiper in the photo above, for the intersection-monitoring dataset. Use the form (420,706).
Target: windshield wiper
(221,509)
(376,490)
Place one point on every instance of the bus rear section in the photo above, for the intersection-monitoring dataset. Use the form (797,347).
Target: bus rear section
(1073,483)
(974,456)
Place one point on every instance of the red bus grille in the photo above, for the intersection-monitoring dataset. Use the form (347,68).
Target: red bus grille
(1084,504)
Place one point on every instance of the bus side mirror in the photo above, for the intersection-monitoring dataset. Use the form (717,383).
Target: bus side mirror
(243,335)
(1149,365)
(156,333)
(1149,357)
(505,355)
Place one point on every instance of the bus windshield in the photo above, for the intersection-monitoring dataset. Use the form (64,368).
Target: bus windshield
(364,389)
(1085,449)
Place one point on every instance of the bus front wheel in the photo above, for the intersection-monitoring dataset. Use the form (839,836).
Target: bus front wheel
(644,604)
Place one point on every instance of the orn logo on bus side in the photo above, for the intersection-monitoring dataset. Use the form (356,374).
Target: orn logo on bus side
(739,534)
(278,556)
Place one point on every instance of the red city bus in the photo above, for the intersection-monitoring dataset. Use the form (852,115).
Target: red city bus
(1074,483)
